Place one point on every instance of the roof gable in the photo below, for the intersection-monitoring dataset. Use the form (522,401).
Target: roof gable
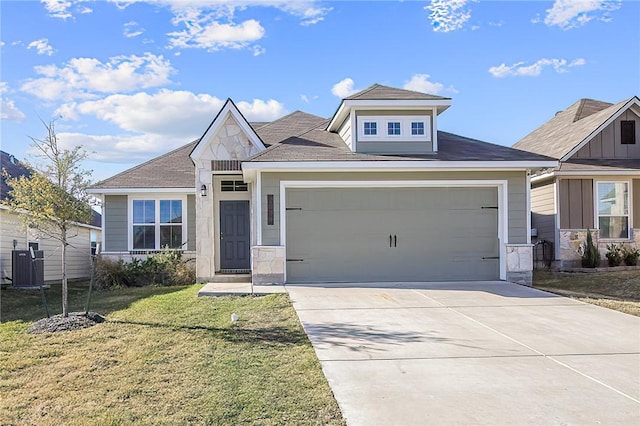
(223,138)
(571,129)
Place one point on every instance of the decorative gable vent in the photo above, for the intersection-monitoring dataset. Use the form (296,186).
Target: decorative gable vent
(225,165)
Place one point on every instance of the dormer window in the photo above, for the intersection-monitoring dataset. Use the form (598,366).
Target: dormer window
(393,128)
(370,128)
(415,128)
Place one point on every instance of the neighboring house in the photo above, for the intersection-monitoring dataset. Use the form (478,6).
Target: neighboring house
(597,183)
(13,236)
(375,193)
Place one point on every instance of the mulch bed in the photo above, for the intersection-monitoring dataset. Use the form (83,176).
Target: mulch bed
(75,321)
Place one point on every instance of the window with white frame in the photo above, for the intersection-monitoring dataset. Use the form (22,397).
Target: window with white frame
(157,224)
(370,128)
(613,209)
(409,128)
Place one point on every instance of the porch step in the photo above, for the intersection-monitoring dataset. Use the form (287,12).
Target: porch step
(231,278)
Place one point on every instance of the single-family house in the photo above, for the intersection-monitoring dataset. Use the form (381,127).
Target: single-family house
(596,185)
(14,236)
(375,193)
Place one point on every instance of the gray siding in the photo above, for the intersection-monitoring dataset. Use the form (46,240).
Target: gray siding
(606,144)
(191,222)
(576,203)
(517,225)
(115,223)
(393,146)
(635,193)
(542,210)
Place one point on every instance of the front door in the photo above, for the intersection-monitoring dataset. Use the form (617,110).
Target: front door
(234,235)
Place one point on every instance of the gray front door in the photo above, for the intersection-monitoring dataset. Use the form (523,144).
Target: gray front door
(234,235)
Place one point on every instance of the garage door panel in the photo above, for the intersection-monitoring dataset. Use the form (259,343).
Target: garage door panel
(342,235)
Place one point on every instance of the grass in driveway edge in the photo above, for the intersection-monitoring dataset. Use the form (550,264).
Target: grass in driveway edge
(619,290)
(168,358)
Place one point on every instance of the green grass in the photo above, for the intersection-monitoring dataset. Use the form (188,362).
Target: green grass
(164,356)
(619,290)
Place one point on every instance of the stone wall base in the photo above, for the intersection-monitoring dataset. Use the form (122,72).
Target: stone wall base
(268,265)
(520,277)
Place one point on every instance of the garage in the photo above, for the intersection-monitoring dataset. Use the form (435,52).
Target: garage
(357,234)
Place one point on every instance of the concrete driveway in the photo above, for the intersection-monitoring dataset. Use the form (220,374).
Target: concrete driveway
(472,353)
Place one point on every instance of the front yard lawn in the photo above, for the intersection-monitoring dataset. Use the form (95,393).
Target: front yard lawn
(163,356)
(618,290)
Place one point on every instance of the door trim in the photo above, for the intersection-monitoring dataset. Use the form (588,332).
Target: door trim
(501,185)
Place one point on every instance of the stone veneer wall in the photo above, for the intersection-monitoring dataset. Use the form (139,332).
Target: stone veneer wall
(268,265)
(519,263)
(573,240)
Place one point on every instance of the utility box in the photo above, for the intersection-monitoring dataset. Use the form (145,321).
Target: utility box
(27,272)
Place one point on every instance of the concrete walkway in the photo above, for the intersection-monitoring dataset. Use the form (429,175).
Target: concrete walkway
(239,289)
(472,354)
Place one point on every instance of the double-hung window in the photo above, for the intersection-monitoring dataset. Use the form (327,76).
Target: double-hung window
(613,209)
(157,224)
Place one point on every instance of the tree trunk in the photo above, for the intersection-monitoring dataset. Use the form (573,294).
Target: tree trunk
(65,291)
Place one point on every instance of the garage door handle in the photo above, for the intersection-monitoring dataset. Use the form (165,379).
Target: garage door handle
(490,257)
(390,240)
(295,260)
(395,241)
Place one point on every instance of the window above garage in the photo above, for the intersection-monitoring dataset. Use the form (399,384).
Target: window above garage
(394,128)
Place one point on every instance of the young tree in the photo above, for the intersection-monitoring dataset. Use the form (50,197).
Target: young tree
(53,200)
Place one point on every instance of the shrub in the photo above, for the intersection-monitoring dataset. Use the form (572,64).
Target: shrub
(590,255)
(614,254)
(110,274)
(163,268)
(630,255)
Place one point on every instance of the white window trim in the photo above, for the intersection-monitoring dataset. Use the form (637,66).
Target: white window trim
(382,128)
(157,224)
(596,214)
(501,185)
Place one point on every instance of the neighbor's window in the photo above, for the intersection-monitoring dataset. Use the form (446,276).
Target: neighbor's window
(370,128)
(628,132)
(157,224)
(613,209)
(393,128)
(233,185)
(417,128)
(144,229)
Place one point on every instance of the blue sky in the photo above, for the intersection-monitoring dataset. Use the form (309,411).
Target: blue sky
(132,79)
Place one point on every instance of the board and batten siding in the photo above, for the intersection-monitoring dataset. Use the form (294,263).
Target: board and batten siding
(606,144)
(517,224)
(543,210)
(576,203)
(635,194)
(116,222)
(78,251)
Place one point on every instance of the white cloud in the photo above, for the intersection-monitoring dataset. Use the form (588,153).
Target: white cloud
(203,31)
(131,29)
(84,77)
(167,112)
(448,15)
(521,70)
(42,46)
(344,88)
(568,14)
(62,8)
(2,43)
(421,83)
(8,109)
(156,122)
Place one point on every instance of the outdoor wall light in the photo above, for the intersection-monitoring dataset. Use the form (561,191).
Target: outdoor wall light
(203,190)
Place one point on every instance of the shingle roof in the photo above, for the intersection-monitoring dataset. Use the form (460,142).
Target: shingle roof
(14,169)
(172,170)
(558,136)
(320,145)
(380,92)
(293,124)
(599,165)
